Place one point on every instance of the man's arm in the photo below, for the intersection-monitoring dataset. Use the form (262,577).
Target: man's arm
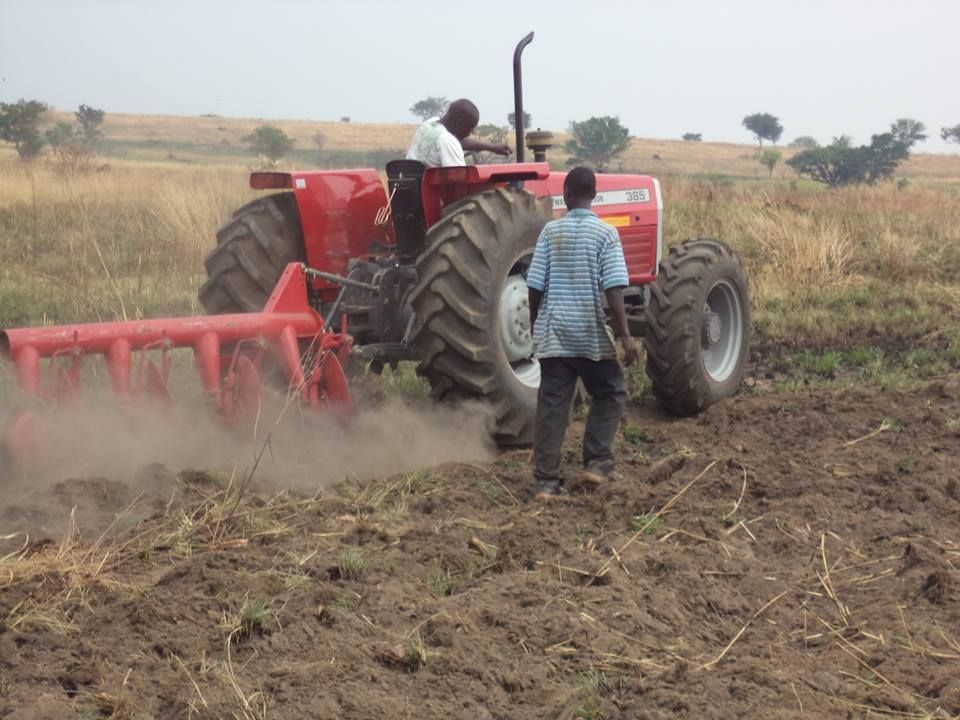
(620,327)
(613,278)
(472,145)
(537,276)
(534,297)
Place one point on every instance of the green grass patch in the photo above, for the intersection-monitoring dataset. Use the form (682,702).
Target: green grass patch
(635,435)
(403,381)
(842,317)
(441,581)
(639,387)
(352,565)
(648,522)
(864,364)
(593,685)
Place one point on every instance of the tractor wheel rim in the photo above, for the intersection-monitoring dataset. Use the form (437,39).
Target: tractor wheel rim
(721,336)
(516,335)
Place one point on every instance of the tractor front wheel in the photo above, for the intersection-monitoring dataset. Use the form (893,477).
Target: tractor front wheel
(698,324)
(472,332)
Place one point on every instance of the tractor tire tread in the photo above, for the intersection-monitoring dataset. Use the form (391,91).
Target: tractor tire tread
(674,363)
(455,334)
(253,248)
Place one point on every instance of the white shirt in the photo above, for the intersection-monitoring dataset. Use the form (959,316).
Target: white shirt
(435,146)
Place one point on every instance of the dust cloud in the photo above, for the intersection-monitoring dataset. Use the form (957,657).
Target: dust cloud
(98,458)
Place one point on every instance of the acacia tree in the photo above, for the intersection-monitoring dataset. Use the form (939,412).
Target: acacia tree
(908,131)
(74,147)
(430,107)
(764,126)
(596,141)
(805,142)
(840,163)
(951,134)
(692,137)
(527,120)
(20,125)
(269,141)
(490,133)
(769,159)
(90,119)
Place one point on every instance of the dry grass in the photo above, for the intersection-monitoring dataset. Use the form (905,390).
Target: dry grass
(124,243)
(131,241)
(213,131)
(659,157)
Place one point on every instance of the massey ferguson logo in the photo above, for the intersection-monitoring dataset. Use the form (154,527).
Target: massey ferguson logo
(610,197)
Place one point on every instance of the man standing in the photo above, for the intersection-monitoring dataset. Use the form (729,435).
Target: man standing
(577,261)
(440,142)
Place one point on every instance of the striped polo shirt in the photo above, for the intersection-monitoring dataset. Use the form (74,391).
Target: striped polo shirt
(577,258)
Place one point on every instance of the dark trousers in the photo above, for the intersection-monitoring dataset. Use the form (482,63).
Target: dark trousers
(608,395)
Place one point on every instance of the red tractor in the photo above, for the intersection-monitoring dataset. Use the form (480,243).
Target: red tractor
(430,269)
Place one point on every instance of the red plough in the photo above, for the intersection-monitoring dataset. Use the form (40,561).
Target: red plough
(229,353)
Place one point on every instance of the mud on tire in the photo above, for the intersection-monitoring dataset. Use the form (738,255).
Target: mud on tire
(698,323)
(252,250)
(478,246)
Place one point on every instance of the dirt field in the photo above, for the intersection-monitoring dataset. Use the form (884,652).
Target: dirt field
(804,564)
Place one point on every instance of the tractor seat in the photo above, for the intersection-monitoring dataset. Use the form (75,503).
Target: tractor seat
(404,178)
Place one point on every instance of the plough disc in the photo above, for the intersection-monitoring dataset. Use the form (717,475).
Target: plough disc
(230,353)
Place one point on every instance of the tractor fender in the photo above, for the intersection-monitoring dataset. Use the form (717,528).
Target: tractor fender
(338,211)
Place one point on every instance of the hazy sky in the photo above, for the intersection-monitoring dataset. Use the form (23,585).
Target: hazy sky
(824,67)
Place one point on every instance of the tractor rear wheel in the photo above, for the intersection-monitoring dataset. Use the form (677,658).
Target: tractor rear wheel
(472,332)
(252,250)
(698,323)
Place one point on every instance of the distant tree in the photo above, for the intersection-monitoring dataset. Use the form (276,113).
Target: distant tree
(692,137)
(345,119)
(840,163)
(494,134)
(20,125)
(764,126)
(769,159)
(527,120)
(430,107)
(596,141)
(951,134)
(491,133)
(908,131)
(90,120)
(805,142)
(68,147)
(269,141)
(75,147)
(884,153)
(319,139)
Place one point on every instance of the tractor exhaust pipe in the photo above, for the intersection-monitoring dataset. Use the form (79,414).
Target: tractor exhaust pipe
(518,94)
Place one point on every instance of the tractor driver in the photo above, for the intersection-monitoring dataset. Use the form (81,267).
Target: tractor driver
(440,142)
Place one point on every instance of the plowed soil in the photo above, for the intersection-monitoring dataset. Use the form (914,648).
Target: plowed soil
(804,565)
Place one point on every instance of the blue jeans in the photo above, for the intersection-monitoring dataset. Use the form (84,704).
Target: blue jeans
(605,383)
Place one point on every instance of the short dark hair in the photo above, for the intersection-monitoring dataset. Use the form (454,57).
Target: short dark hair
(464,107)
(581,183)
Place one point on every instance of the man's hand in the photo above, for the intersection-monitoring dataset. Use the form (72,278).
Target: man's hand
(618,317)
(631,354)
(473,145)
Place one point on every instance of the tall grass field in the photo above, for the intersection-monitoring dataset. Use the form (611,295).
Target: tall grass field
(862,279)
